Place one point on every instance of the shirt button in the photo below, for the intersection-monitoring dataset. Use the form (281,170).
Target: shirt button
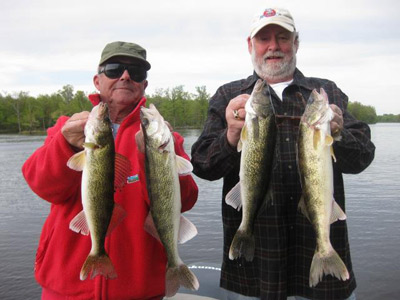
(290,167)
(287,139)
(285,114)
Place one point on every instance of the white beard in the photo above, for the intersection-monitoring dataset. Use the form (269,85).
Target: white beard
(279,71)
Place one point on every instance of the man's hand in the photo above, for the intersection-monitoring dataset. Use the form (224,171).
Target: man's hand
(235,115)
(337,121)
(73,129)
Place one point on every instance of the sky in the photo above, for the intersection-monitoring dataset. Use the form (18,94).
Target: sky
(47,44)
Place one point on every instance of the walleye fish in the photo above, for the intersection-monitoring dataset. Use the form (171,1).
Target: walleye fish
(100,213)
(315,154)
(257,143)
(163,167)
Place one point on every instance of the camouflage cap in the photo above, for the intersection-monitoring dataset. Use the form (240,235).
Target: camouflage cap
(125,49)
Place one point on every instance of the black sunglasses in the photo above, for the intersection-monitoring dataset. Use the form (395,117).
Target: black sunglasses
(115,70)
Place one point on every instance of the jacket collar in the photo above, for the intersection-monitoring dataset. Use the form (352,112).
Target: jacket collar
(249,81)
(131,118)
(298,79)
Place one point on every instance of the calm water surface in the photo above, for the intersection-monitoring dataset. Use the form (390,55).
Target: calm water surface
(372,203)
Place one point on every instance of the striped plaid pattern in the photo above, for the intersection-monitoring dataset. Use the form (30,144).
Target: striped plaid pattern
(285,240)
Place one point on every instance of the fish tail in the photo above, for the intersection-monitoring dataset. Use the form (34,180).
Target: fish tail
(177,276)
(98,265)
(331,264)
(243,244)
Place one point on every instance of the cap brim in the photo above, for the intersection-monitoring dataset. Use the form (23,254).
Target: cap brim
(145,63)
(283,24)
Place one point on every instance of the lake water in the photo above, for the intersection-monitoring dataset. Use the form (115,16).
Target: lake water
(372,202)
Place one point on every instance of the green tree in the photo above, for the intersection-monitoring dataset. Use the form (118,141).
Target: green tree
(157,98)
(21,112)
(362,112)
(67,92)
(181,108)
(7,114)
(389,118)
(17,105)
(201,106)
(29,112)
(48,106)
(79,103)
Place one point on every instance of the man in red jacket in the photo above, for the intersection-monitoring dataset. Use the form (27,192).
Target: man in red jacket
(138,258)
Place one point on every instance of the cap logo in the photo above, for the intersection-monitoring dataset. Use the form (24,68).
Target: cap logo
(269,12)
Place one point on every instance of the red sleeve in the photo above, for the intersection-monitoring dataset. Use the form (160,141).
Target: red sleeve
(189,189)
(46,170)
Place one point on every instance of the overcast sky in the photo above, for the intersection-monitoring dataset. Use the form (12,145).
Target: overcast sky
(46,44)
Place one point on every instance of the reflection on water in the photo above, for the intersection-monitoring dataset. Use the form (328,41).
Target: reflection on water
(372,202)
(373,216)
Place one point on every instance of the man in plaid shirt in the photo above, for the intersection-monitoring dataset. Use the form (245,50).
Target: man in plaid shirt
(284,238)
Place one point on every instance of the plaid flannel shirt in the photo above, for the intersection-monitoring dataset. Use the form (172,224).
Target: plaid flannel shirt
(285,240)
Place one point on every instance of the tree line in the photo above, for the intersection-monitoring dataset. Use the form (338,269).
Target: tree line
(368,114)
(22,113)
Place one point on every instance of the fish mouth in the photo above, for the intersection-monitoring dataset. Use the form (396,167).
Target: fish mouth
(164,145)
(259,85)
(102,110)
(144,117)
(145,113)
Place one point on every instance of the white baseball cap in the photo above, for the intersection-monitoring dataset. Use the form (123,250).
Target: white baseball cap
(278,16)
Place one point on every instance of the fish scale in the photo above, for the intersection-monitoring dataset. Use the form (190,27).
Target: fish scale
(257,144)
(316,172)
(100,213)
(163,167)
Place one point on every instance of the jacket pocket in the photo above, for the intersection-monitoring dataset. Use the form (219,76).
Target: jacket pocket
(42,249)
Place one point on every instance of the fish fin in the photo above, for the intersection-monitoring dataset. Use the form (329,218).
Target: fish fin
(122,168)
(332,265)
(239,146)
(79,224)
(187,230)
(337,137)
(117,217)
(328,140)
(91,145)
(150,227)
(244,132)
(183,165)
(234,198)
(243,244)
(316,137)
(77,161)
(98,265)
(302,207)
(333,154)
(180,275)
(337,213)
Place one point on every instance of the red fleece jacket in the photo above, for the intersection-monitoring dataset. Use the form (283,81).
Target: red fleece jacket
(138,258)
